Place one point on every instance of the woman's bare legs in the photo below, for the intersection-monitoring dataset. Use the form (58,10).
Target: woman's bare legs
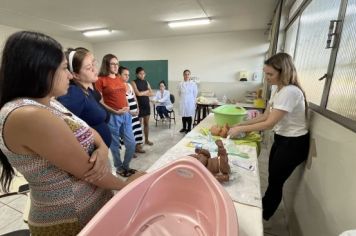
(145,120)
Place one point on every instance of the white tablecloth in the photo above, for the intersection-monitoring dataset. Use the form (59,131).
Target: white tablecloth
(244,188)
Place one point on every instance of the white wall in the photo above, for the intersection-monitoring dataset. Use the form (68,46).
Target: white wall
(215,59)
(6,31)
(321,200)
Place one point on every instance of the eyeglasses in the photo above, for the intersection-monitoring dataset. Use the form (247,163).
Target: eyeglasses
(114,64)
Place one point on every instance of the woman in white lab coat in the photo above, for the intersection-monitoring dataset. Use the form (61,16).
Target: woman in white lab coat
(188,92)
(163,101)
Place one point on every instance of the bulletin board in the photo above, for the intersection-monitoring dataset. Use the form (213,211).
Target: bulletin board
(156,70)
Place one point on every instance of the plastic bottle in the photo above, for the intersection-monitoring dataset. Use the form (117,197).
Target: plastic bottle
(224,99)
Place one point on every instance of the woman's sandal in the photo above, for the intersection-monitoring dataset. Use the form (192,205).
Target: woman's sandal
(140,150)
(124,173)
(131,171)
(148,143)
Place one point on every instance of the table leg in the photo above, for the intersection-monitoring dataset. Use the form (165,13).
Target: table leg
(204,113)
(197,116)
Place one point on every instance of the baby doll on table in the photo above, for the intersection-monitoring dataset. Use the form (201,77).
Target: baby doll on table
(218,166)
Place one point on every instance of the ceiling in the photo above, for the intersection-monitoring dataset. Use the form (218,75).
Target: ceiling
(134,19)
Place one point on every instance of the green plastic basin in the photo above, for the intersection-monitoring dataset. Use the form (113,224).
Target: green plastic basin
(230,114)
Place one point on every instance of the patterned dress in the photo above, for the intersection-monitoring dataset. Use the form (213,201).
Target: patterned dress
(136,124)
(61,204)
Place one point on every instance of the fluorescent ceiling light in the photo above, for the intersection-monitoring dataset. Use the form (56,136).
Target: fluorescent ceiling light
(96,32)
(191,22)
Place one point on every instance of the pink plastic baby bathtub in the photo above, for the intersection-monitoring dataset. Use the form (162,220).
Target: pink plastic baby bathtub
(182,198)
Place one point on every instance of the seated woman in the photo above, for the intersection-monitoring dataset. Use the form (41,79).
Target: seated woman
(61,157)
(81,97)
(163,101)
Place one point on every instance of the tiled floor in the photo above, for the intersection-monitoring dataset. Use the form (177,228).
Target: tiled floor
(11,213)
(11,208)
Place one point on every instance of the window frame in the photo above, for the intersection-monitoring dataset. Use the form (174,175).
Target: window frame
(322,108)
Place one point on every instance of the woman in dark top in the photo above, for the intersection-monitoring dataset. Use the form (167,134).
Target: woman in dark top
(100,100)
(81,98)
(143,91)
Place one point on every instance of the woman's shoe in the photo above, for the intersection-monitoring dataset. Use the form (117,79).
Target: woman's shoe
(131,171)
(123,173)
(182,131)
(139,149)
(148,143)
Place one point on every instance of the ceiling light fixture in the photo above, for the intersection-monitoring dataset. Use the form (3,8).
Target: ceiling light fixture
(96,32)
(191,22)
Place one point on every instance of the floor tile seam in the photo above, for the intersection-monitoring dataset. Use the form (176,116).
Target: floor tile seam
(13,208)
(8,224)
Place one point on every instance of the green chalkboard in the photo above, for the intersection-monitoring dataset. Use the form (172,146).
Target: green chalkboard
(156,70)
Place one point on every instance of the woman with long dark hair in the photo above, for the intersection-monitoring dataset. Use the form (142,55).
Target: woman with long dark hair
(286,114)
(143,91)
(51,147)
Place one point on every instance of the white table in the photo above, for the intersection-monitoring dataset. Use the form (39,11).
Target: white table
(249,217)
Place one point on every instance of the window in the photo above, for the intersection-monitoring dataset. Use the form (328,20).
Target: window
(291,38)
(296,5)
(334,96)
(311,58)
(342,95)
